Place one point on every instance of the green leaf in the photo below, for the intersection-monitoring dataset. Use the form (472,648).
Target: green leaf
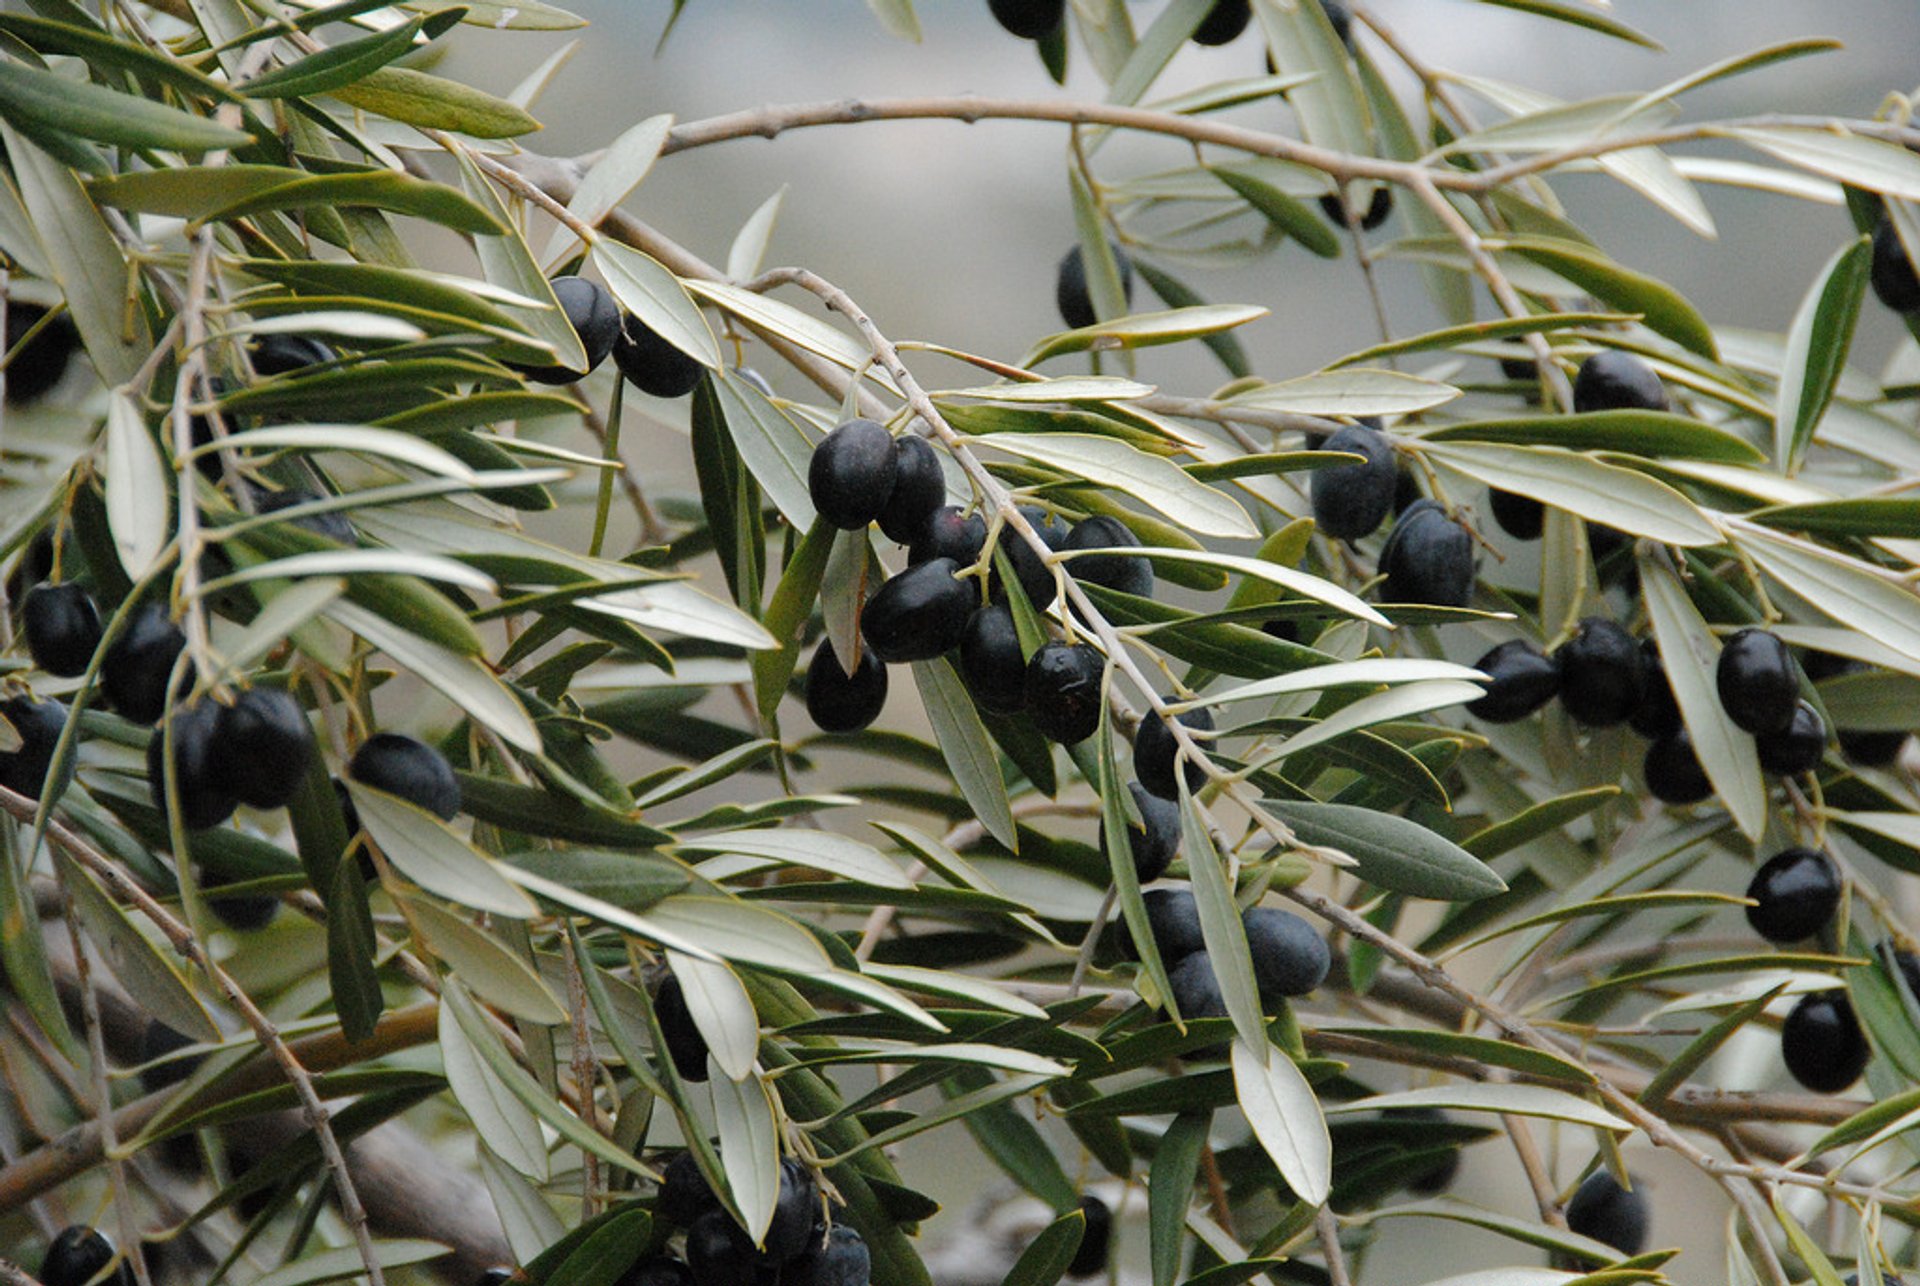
(1392,852)
(1480,332)
(1012,1142)
(963,742)
(1643,433)
(749,1150)
(497,1116)
(1480,1049)
(431,102)
(138,486)
(1175,293)
(1579,484)
(86,260)
(1145,330)
(1816,355)
(464,680)
(384,190)
(1176,1164)
(1862,517)
(1514,1100)
(428,852)
(794,847)
(1540,819)
(509,264)
(335,1265)
(1286,1118)
(1151,479)
(1220,926)
(139,965)
(1291,217)
(331,69)
(1046,1259)
(1351,393)
(499,976)
(1126,880)
(1886,168)
(1852,592)
(1665,310)
(1674,1074)
(605,1254)
(1579,15)
(612,178)
(34,99)
(650,292)
(1691,658)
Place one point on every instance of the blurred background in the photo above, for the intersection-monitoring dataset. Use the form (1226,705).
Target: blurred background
(951,233)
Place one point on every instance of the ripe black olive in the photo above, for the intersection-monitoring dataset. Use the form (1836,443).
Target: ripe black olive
(1033,572)
(1351,500)
(263,744)
(840,1259)
(918,489)
(1798,747)
(1196,988)
(1673,770)
(1611,380)
(43,360)
(651,363)
(1029,19)
(1173,917)
(38,724)
(1658,714)
(1289,958)
(1428,558)
(334,525)
(719,1253)
(1795,893)
(198,779)
(1153,847)
(1379,207)
(842,702)
(1821,1042)
(685,1194)
(1227,19)
(410,769)
(595,318)
(1520,679)
(685,1045)
(1757,682)
(1070,293)
(918,614)
(1521,517)
(78,1255)
(133,674)
(950,534)
(1892,276)
(278,354)
(793,1213)
(1127,573)
(991,662)
(1096,1241)
(62,628)
(1602,676)
(1063,690)
(1155,748)
(1605,1211)
(851,474)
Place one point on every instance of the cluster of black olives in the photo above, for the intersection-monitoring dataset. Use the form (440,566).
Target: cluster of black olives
(1795,894)
(649,362)
(1428,556)
(799,1247)
(1289,958)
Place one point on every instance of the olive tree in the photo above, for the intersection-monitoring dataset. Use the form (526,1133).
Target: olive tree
(1222,806)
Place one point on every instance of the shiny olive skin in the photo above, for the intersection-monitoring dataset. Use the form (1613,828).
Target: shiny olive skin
(918,614)
(1029,568)
(1757,681)
(719,1253)
(1892,277)
(685,1194)
(1063,688)
(1602,675)
(198,780)
(1153,846)
(1521,517)
(1127,573)
(950,534)
(1226,20)
(1797,748)
(1658,714)
(842,702)
(334,525)
(1289,957)
(1029,19)
(1351,500)
(1155,749)
(1379,209)
(918,490)
(62,628)
(685,1045)
(1428,558)
(1673,771)
(77,1255)
(133,673)
(39,723)
(851,473)
(840,1258)
(1173,917)
(1070,292)
(992,665)
(262,745)
(1605,1211)
(651,364)
(1795,894)
(1821,1042)
(279,354)
(595,318)
(1611,380)
(1096,1241)
(42,361)
(1520,679)
(410,769)
(793,1213)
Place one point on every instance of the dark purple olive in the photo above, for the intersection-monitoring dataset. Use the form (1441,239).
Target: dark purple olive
(1795,893)
(1521,517)
(840,1258)
(1154,845)
(1127,573)
(1033,572)
(595,318)
(62,628)
(1892,276)
(38,725)
(1226,20)
(851,473)
(334,525)
(133,674)
(1658,714)
(1611,380)
(1289,957)
(1070,292)
(685,1045)
(1351,500)
(1428,558)
(950,534)
(719,1252)
(653,364)
(1063,689)
(1029,19)
(992,664)
(1608,1213)
(262,746)
(685,1194)
(42,361)
(1096,1240)
(918,490)
(1520,679)
(1155,748)
(205,800)
(1602,676)
(918,614)
(1673,771)
(1821,1042)
(410,769)
(1379,208)
(1758,684)
(78,1255)
(1797,748)
(842,702)
(1173,917)
(279,354)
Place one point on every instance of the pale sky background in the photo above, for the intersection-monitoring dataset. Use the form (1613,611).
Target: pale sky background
(951,233)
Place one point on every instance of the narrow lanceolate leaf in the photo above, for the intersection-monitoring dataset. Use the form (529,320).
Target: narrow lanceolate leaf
(1353,392)
(1150,479)
(1850,591)
(749,1149)
(496,974)
(1516,1100)
(1392,852)
(1665,310)
(34,99)
(334,1265)
(85,259)
(138,488)
(1691,658)
(138,963)
(790,846)
(1220,926)
(1596,491)
(612,177)
(509,1129)
(464,680)
(1145,330)
(1869,163)
(1293,218)
(647,290)
(1285,1117)
(1176,1164)
(969,752)
(509,264)
(333,68)
(432,102)
(1046,1259)
(1817,347)
(425,850)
